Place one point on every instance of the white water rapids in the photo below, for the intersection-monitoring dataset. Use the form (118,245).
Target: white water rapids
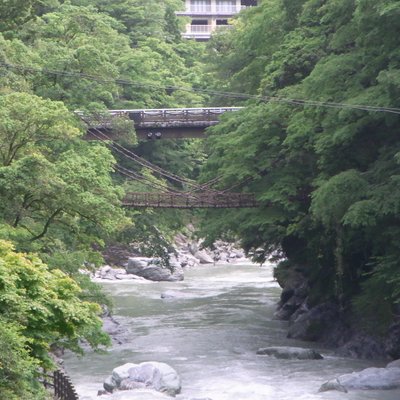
(210,335)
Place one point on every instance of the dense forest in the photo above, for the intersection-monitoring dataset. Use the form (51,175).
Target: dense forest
(317,142)
(320,148)
(60,198)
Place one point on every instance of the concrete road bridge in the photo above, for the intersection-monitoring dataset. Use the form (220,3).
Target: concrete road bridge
(158,123)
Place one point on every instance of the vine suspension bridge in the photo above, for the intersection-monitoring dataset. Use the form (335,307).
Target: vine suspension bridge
(158,124)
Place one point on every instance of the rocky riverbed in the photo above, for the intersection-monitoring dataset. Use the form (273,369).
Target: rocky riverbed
(185,253)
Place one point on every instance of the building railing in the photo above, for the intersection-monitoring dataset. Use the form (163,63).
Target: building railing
(194,30)
(198,9)
(200,29)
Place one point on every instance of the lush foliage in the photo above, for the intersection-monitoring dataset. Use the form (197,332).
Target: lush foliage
(39,307)
(59,196)
(327,177)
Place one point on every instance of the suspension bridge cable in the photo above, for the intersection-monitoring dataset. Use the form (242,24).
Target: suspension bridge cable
(105,138)
(141,161)
(242,96)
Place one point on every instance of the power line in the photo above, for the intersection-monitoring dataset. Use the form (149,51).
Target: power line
(233,95)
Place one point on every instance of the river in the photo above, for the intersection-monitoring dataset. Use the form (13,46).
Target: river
(210,335)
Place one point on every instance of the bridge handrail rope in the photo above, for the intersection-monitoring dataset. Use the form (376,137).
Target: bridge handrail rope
(133,175)
(134,157)
(131,155)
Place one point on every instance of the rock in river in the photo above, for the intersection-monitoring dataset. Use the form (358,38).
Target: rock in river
(367,379)
(290,353)
(151,375)
(152,269)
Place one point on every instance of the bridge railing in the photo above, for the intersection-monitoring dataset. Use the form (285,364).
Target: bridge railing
(158,117)
(190,200)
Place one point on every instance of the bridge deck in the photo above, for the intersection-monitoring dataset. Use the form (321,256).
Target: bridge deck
(189,201)
(171,122)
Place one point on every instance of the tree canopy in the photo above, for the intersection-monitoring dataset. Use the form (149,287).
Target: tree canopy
(326,176)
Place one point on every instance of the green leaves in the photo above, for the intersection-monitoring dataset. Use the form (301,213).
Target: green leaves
(328,177)
(46,304)
(334,197)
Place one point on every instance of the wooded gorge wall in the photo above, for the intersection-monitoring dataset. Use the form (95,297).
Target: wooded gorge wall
(327,175)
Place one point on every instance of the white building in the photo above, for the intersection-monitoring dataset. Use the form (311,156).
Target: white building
(207,15)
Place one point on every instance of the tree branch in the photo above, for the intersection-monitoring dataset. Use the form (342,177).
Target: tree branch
(47,224)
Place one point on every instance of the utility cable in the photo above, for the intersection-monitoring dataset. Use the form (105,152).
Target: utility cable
(233,95)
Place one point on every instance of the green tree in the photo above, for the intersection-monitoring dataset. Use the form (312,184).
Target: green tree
(322,174)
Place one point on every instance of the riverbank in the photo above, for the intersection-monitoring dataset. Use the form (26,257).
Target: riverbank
(184,253)
(329,324)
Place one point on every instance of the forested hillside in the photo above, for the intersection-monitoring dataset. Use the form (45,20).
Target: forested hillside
(325,168)
(317,142)
(60,197)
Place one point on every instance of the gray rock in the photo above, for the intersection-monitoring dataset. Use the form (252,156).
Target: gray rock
(122,372)
(314,324)
(392,342)
(148,269)
(203,257)
(158,376)
(394,364)
(151,375)
(290,353)
(130,384)
(110,384)
(362,346)
(367,379)
(136,263)
(334,384)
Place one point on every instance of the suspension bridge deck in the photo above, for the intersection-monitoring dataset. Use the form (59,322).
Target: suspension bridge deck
(159,123)
(190,200)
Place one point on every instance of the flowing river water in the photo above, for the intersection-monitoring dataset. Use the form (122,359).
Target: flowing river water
(210,333)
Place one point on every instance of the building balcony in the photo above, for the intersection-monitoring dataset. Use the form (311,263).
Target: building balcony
(218,11)
(202,32)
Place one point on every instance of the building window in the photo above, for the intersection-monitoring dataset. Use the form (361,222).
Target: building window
(226,6)
(200,6)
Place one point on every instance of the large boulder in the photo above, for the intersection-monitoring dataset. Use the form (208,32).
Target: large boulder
(148,375)
(151,269)
(394,364)
(291,353)
(320,323)
(363,346)
(204,257)
(392,343)
(367,379)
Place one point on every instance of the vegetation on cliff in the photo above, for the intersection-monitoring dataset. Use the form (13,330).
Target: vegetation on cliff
(326,174)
